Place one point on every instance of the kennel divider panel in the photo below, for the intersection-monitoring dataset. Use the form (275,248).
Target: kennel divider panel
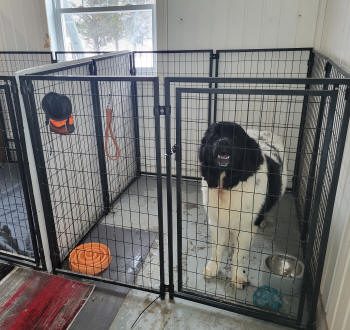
(281,318)
(19,193)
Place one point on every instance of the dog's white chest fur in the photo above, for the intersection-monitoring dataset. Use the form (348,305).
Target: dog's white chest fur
(236,209)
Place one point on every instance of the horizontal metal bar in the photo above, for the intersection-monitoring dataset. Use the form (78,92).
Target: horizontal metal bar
(104,280)
(20,260)
(24,52)
(292,81)
(89,78)
(176,51)
(81,52)
(82,10)
(241,309)
(283,92)
(252,50)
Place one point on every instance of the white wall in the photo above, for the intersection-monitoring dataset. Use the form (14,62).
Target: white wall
(23,25)
(333,39)
(218,24)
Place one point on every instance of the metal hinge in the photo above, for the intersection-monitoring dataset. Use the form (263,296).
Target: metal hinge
(162,110)
(214,56)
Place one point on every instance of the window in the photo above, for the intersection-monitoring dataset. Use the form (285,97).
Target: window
(105,25)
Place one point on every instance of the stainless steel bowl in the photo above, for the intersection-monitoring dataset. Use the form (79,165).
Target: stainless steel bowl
(285,265)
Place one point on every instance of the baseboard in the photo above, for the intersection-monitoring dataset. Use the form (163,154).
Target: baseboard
(321,316)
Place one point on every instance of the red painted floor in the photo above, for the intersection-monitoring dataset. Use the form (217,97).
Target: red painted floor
(35,300)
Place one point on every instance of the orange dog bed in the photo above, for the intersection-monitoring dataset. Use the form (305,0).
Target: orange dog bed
(90,258)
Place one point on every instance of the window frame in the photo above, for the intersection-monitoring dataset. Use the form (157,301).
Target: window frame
(59,11)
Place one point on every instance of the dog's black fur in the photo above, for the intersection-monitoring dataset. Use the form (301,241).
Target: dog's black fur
(245,158)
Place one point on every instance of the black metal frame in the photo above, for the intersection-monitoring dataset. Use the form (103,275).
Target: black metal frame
(329,90)
(14,112)
(30,108)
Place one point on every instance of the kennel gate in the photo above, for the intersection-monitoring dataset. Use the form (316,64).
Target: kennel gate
(140,95)
(20,243)
(190,265)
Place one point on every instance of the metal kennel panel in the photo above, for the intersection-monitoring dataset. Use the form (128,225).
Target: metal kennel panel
(172,63)
(19,239)
(280,236)
(62,56)
(89,183)
(263,63)
(13,61)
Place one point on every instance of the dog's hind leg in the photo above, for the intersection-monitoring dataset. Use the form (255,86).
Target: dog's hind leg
(219,240)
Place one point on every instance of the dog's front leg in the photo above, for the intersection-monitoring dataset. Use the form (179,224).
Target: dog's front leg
(219,239)
(240,258)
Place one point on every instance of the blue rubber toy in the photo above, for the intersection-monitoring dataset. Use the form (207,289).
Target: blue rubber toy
(267,298)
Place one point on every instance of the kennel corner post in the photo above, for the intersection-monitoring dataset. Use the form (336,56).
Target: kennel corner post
(169,185)
(97,117)
(178,188)
(157,109)
(134,105)
(312,169)
(307,282)
(39,174)
(15,122)
(310,64)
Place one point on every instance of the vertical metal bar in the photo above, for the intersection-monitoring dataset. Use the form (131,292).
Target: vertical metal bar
(159,187)
(99,137)
(19,121)
(4,134)
(312,170)
(134,104)
(169,187)
(314,216)
(25,188)
(211,61)
(330,202)
(217,60)
(30,108)
(178,189)
(296,178)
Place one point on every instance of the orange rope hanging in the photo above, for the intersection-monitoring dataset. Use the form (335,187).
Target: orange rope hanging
(109,134)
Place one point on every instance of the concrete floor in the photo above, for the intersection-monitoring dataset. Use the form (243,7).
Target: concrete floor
(180,314)
(137,208)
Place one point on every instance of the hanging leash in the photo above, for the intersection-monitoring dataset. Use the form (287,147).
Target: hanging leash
(109,134)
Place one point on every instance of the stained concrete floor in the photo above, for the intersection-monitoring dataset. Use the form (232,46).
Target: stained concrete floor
(137,208)
(180,314)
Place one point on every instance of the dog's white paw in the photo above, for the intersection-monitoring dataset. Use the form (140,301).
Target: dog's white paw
(211,269)
(239,279)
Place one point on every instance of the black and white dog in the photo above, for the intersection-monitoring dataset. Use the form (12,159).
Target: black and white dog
(243,176)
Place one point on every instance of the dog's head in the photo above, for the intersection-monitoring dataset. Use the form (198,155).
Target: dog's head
(226,147)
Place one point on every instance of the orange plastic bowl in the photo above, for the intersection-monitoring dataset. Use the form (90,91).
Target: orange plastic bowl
(90,258)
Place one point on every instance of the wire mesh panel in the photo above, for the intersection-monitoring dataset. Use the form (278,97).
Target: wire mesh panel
(263,63)
(114,65)
(10,62)
(95,193)
(17,238)
(224,252)
(182,63)
(61,56)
